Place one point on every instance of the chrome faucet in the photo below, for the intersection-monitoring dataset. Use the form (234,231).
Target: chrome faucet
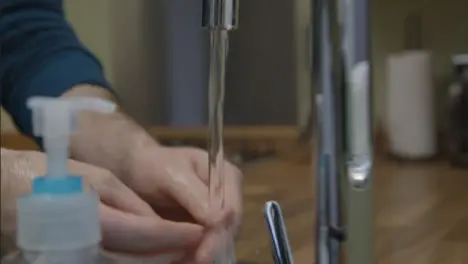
(341,78)
(342,84)
(220,14)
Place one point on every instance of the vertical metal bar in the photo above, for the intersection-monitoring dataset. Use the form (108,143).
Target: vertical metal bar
(322,253)
(354,19)
(327,81)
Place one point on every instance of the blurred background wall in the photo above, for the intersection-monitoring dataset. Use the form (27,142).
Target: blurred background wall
(154,52)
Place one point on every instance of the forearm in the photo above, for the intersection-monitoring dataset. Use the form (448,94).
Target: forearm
(106,140)
(41,56)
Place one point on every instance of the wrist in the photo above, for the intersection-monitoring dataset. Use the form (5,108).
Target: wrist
(138,146)
(96,140)
(107,141)
(110,141)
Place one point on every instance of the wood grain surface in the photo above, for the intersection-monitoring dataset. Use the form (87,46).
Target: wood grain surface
(421,209)
(421,212)
(257,139)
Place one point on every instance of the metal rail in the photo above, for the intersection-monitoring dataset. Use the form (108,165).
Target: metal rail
(341,77)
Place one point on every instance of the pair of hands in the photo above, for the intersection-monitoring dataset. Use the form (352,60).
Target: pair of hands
(158,203)
(174,183)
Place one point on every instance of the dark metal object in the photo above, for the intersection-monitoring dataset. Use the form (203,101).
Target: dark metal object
(220,14)
(279,238)
(342,84)
(458,112)
(327,83)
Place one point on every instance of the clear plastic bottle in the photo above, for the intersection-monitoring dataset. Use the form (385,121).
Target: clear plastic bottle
(91,255)
(59,222)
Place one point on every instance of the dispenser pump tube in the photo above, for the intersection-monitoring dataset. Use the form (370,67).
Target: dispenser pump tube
(54,119)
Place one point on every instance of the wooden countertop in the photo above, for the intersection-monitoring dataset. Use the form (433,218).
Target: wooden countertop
(236,138)
(421,212)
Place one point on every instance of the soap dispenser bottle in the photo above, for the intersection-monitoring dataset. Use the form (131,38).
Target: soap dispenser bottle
(59,223)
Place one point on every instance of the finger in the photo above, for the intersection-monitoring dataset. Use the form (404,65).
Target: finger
(217,241)
(234,196)
(233,182)
(217,244)
(200,163)
(119,196)
(192,194)
(125,232)
(111,190)
(175,214)
(188,257)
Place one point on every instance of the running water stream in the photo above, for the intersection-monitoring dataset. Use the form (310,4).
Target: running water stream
(218,55)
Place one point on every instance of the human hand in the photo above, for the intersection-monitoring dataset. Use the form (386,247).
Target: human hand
(174,181)
(128,223)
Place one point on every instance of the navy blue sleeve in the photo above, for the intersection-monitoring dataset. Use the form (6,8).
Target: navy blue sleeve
(40,55)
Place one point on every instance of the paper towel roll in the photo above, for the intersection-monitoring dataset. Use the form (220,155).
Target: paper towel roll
(410,105)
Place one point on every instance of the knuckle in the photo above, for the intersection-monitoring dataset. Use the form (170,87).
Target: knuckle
(102,178)
(107,177)
(236,171)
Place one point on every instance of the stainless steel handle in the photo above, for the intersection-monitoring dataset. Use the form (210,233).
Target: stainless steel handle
(357,69)
(356,55)
(282,253)
(359,126)
(341,74)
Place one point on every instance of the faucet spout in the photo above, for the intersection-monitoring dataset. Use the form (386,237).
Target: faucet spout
(220,14)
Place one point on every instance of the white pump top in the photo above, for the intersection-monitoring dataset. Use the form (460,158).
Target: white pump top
(59,215)
(54,120)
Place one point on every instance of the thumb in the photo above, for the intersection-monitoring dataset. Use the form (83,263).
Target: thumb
(129,233)
(192,194)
